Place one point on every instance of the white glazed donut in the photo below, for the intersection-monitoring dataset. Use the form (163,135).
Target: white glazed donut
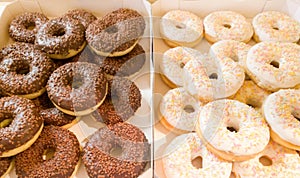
(227,25)
(183,150)
(212,78)
(275,26)
(232,130)
(180,110)
(274,65)
(274,161)
(173,62)
(181,28)
(235,50)
(252,95)
(281,110)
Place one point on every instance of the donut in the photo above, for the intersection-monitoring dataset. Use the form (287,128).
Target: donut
(61,38)
(235,50)
(274,65)
(172,64)
(252,95)
(99,157)
(116,33)
(86,18)
(52,115)
(227,25)
(24,70)
(275,26)
(125,66)
(181,156)
(122,101)
(24,27)
(56,153)
(274,161)
(212,78)
(179,110)
(181,28)
(22,125)
(6,165)
(232,130)
(282,112)
(77,88)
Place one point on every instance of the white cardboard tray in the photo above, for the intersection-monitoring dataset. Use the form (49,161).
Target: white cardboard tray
(86,126)
(249,8)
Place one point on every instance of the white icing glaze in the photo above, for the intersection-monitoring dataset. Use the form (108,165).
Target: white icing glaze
(278,109)
(287,55)
(227,25)
(181,26)
(285,163)
(183,149)
(276,26)
(172,108)
(197,81)
(252,131)
(174,60)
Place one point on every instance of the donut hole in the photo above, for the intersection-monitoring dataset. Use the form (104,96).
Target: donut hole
(197,162)
(23,69)
(60,31)
(275,27)
(189,109)
(77,82)
(296,116)
(182,65)
(227,25)
(232,129)
(30,25)
(48,154)
(298,153)
(111,29)
(275,64)
(5,123)
(213,76)
(116,151)
(265,161)
(180,26)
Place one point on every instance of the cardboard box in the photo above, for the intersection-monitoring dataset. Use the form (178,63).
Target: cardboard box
(249,8)
(54,8)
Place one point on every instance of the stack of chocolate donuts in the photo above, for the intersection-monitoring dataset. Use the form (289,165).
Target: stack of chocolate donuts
(242,100)
(58,70)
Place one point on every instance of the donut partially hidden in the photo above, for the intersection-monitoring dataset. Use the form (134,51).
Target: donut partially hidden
(116,33)
(61,38)
(119,150)
(77,88)
(56,153)
(6,165)
(21,125)
(122,101)
(52,115)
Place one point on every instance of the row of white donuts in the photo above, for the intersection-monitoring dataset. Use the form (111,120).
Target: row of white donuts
(220,74)
(184,28)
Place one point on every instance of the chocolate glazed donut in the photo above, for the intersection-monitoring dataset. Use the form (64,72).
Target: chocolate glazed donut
(122,101)
(101,162)
(124,66)
(61,38)
(38,162)
(52,115)
(116,33)
(24,27)
(77,88)
(24,70)
(23,125)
